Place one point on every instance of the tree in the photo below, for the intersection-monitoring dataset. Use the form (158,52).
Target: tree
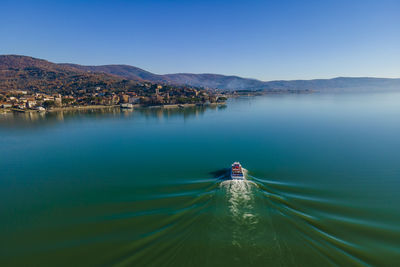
(67,101)
(49,104)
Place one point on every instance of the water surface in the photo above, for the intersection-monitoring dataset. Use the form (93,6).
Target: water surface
(148,187)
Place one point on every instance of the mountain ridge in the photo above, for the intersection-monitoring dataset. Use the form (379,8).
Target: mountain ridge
(205,80)
(28,73)
(234,82)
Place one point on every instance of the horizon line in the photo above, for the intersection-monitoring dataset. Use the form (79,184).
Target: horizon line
(205,73)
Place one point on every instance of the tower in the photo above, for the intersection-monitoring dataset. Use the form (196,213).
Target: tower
(158,89)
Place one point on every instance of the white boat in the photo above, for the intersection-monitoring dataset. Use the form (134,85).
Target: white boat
(237,171)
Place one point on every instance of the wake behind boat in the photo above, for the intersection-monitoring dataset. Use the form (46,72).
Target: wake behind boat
(237,171)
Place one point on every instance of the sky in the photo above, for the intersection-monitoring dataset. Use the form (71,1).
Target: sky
(266,40)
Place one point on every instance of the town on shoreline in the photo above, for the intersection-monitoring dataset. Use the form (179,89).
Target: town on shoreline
(142,95)
(145,94)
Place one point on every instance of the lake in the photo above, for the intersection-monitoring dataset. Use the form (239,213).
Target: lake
(148,187)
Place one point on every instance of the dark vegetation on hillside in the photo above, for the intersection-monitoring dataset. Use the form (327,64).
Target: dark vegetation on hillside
(36,75)
(27,73)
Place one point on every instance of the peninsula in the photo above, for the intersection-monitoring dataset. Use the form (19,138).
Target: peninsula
(28,84)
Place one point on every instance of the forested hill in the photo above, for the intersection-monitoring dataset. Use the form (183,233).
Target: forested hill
(27,73)
(22,72)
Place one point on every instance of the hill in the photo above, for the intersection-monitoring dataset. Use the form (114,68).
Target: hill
(125,71)
(232,83)
(22,72)
(27,73)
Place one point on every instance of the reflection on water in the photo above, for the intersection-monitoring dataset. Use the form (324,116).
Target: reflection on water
(32,119)
(146,187)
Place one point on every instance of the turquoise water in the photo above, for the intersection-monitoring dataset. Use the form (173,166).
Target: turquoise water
(148,187)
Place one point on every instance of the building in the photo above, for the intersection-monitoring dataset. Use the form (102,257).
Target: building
(19,92)
(20,106)
(115,99)
(126,105)
(158,89)
(58,100)
(23,99)
(6,105)
(124,98)
(31,103)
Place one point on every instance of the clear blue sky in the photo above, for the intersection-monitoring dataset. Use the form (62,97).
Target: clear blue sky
(267,40)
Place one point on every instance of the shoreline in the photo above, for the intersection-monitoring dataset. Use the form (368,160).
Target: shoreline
(167,106)
(82,108)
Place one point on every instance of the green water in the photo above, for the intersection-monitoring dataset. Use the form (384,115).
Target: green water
(147,188)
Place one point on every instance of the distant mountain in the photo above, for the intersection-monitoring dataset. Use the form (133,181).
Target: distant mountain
(216,81)
(340,84)
(125,71)
(232,83)
(27,72)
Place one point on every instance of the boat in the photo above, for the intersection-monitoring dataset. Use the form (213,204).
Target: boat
(237,171)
